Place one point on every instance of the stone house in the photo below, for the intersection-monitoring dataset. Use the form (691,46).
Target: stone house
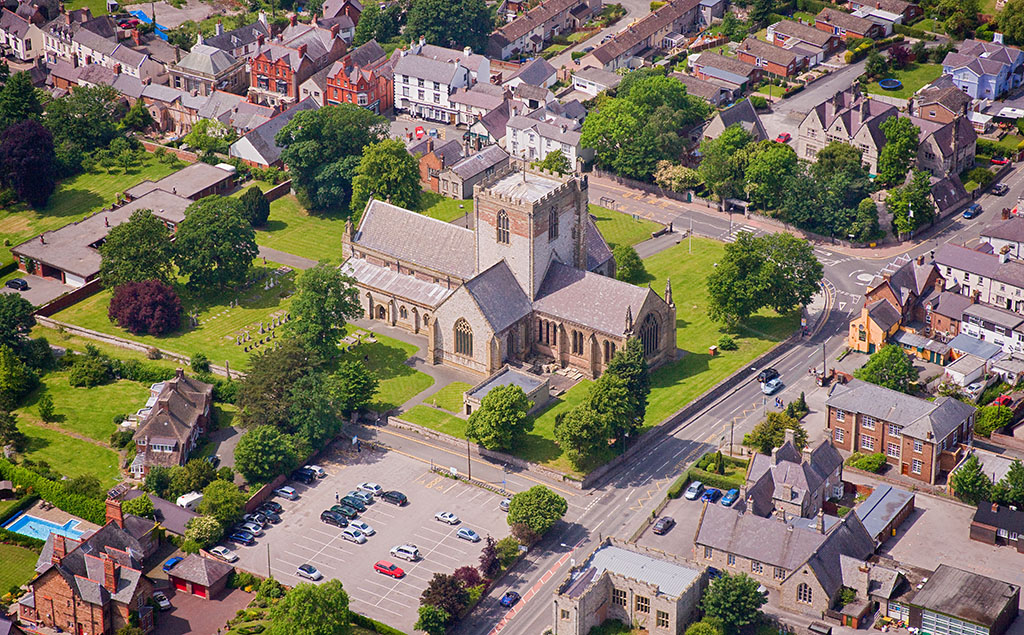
(206,69)
(178,414)
(795,483)
(459,179)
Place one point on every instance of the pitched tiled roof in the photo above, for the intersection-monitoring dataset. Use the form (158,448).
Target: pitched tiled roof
(240,37)
(13,24)
(207,60)
(474,164)
(593,300)
(598,251)
(535,72)
(917,416)
(535,18)
(498,295)
(179,405)
(764,50)
(427,68)
(262,137)
(844,20)
(643,29)
(945,93)
(884,314)
(199,570)
(803,32)
(1012,230)
(395,284)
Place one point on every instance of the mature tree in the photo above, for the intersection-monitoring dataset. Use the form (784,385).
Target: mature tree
(322,148)
(433,620)
(1011,488)
(556,162)
(899,151)
(991,418)
(538,508)
(9,432)
(611,398)
(489,564)
(445,592)
(1010,21)
(137,250)
(138,119)
(85,485)
(889,367)
(28,162)
(760,12)
(723,163)
(255,206)
(376,23)
(141,506)
(315,415)
(969,483)
(468,576)
(655,90)
(450,23)
(628,265)
(770,166)
(19,101)
(16,379)
(149,307)
(581,433)
(629,364)
(264,393)
(865,226)
(311,609)
(616,133)
(87,119)
(205,531)
(501,421)
(209,136)
(771,433)
(158,480)
(839,157)
(223,501)
(263,453)
(911,205)
(791,271)
(214,245)
(16,320)
(875,65)
(734,599)
(676,177)
(353,385)
(199,473)
(325,298)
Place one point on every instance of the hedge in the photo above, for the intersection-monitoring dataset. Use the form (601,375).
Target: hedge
(23,504)
(810,6)
(11,538)
(910,31)
(90,509)
(710,479)
(677,488)
(374,625)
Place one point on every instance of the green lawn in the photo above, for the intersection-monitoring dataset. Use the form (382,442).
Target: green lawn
(74,199)
(450,397)
(914,76)
(620,229)
(219,323)
(387,359)
(77,343)
(929,24)
(69,456)
(4,506)
(443,208)
(86,411)
(435,419)
(19,566)
(294,230)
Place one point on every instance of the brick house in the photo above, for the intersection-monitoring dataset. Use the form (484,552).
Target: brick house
(772,59)
(908,10)
(940,101)
(920,438)
(713,66)
(279,68)
(789,33)
(434,158)
(201,576)
(179,412)
(363,77)
(846,26)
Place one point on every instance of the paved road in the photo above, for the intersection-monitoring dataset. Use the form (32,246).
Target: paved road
(635,9)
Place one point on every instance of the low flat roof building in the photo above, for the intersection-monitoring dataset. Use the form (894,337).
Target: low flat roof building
(885,510)
(955,602)
(535,387)
(194,182)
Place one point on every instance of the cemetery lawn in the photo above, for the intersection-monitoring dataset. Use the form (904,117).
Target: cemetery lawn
(294,230)
(386,358)
(74,199)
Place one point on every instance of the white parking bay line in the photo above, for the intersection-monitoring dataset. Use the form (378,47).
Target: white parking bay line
(435,531)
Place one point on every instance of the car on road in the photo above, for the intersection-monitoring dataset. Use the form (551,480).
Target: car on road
(767,374)
(1000,160)
(509,599)
(447,517)
(365,498)
(1000,189)
(694,491)
(171,563)
(395,497)
(17,283)
(588,49)
(710,495)
(354,503)
(316,470)
(972,210)
(242,538)
(730,497)
(771,386)
(271,506)
(406,552)
(308,571)
(287,492)
(161,601)
(663,525)
(253,528)
(345,510)
(371,488)
(224,553)
(303,476)
(333,518)
(504,504)
(363,527)
(353,535)
(468,534)
(784,137)
(388,568)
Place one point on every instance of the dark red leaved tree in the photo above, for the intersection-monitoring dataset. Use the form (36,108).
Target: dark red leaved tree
(28,163)
(149,307)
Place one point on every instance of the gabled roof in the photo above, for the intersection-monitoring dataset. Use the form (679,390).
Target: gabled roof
(427,69)
(474,164)
(536,72)
(844,20)
(240,37)
(207,60)
(1000,516)
(366,55)
(802,32)
(179,405)
(13,24)
(882,507)
(501,300)
(199,570)
(536,18)
(728,64)
(790,473)
(884,314)
(918,417)
(948,304)
(261,138)
(598,251)
(764,50)
(742,114)
(1011,230)
(944,93)
(599,76)
(83,568)
(965,595)
(584,297)
(643,29)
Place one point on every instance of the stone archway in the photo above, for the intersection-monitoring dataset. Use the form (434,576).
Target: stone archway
(382,312)
(415,320)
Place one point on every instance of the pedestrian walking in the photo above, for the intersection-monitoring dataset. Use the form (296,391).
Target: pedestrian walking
(336,497)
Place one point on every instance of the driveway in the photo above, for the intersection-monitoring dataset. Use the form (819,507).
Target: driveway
(189,614)
(40,290)
(225,440)
(679,539)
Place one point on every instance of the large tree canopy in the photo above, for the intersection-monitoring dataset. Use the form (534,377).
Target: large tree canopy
(900,149)
(890,367)
(137,250)
(27,162)
(501,421)
(450,23)
(19,101)
(215,245)
(386,172)
(325,299)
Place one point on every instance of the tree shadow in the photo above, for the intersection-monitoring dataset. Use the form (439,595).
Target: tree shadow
(71,202)
(274,226)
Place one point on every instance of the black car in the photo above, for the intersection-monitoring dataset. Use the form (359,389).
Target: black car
(664,524)
(269,515)
(303,476)
(271,506)
(17,283)
(395,497)
(213,460)
(333,518)
(354,503)
(767,374)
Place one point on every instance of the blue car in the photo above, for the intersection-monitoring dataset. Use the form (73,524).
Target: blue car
(509,599)
(242,538)
(730,497)
(710,495)
(972,211)
(171,563)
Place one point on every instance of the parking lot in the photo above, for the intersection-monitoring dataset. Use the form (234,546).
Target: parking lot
(679,539)
(302,538)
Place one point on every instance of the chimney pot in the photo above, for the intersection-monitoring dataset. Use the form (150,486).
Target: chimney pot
(114,513)
(302,50)
(179,373)
(292,19)
(940,284)
(110,574)
(920,259)
(995,507)
(136,37)
(334,30)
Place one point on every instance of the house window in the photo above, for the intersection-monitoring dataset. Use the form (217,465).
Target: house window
(708,552)
(619,597)
(643,604)
(503,233)
(756,567)
(564,614)
(918,446)
(840,435)
(869,423)
(463,338)
(662,619)
(893,450)
(780,573)
(552,224)
(916,466)
(895,430)
(803,593)
(731,560)
(867,443)
(840,415)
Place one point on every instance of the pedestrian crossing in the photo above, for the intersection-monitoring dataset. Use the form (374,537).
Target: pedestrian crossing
(730,237)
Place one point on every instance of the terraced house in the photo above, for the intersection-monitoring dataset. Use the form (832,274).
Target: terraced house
(529,32)
(280,67)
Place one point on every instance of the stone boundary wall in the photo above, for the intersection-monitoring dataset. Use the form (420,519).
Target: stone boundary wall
(184,155)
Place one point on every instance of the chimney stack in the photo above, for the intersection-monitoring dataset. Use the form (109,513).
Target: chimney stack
(920,259)
(179,373)
(467,51)
(117,69)
(334,30)
(995,507)
(113,511)
(259,39)
(220,28)
(302,50)
(819,524)
(110,574)
(974,296)
(59,549)
(292,18)
(136,37)
(940,284)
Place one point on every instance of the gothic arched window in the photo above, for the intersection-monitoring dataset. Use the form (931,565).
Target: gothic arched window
(463,338)
(649,332)
(503,235)
(803,593)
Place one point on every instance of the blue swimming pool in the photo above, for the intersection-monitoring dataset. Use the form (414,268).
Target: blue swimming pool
(28,525)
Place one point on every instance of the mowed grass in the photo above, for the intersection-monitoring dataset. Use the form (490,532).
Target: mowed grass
(77,343)
(86,411)
(442,208)
(914,77)
(386,358)
(292,229)
(219,323)
(18,566)
(74,199)
(620,229)
(450,397)
(69,456)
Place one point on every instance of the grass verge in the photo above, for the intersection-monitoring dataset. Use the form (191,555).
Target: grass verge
(621,229)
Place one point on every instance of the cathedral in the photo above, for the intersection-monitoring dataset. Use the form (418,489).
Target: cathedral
(533,281)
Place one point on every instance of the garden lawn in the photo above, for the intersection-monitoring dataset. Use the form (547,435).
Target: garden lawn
(86,411)
(77,343)
(70,456)
(219,323)
(19,566)
(914,77)
(74,199)
(450,397)
(387,358)
(4,506)
(620,229)
(444,208)
(294,230)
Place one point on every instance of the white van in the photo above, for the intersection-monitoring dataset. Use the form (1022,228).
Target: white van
(190,501)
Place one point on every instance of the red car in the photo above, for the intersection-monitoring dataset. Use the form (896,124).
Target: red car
(1000,160)
(783,138)
(388,568)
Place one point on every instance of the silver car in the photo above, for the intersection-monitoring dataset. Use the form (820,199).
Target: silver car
(353,535)
(253,528)
(406,552)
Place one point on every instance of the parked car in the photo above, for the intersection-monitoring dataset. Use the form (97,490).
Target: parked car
(783,137)
(333,518)
(354,503)
(309,571)
(253,528)
(213,460)
(353,535)
(258,518)
(388,568)
(694,491)
(771,386)
(365,498)
(363,527)
(242,537)
(17,283)
(171,563)
(345,510)
(972,210)
(406,552)
(767,374)
(286,492)
(223,553)
(663,525)
(1000,189)
(730,497)
(316,470)
(371,488)
(271,506)
(504,504)
(303,476)
(395,498)
(1000,160)
(509,599)
(447,517)
(269,515)
(710,495)
(468,534)
(161,601)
